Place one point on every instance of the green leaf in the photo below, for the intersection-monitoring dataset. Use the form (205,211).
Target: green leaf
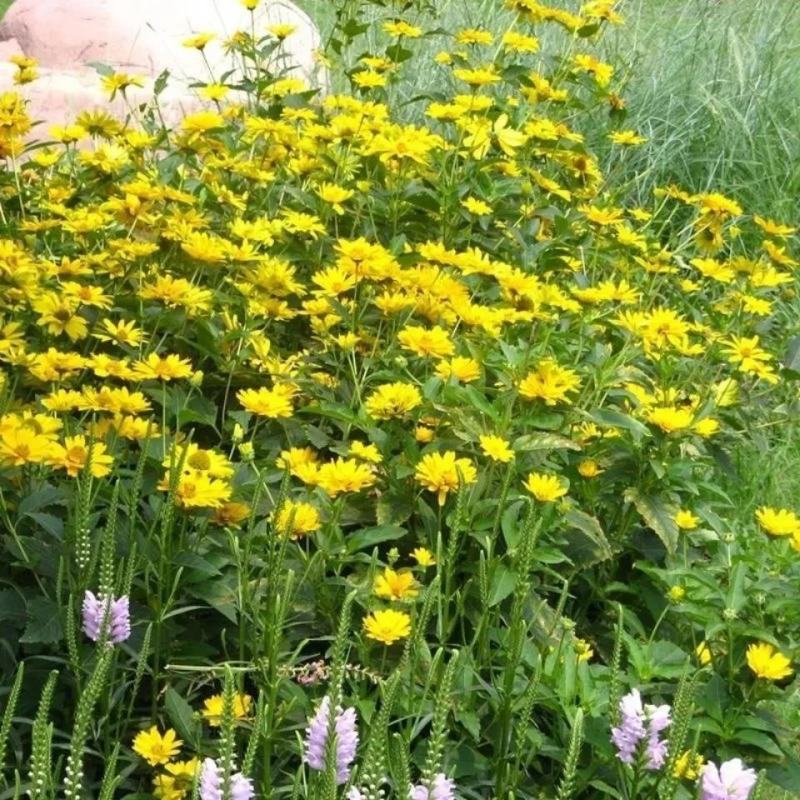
(182,716)
(502,584)
(659,516)
(609,417)
(44,622)
(587,544)
(545,441)
(372,536)
(760,740)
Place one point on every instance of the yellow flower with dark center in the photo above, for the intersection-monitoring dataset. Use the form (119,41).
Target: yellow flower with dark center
(231,515)
(388,626)
(546,488)
(443,473)
(778,521)
(767,662)
(497,448)
(22,446)
(393,585)
(124,332)
(199,41)
(198,490)
(76,453)
(156,748)
(213,708)
(163,368)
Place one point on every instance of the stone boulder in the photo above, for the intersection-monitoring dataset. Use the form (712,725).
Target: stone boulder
(142,37)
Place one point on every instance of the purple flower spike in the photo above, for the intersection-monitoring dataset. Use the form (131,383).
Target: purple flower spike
(731,781)
(637,723)
(211,783)
(346,739)
(442,788)
(95,610)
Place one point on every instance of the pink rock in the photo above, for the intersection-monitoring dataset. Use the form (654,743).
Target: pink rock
(142,37)
(146,36)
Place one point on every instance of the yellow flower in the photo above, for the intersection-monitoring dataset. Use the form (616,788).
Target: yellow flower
(423,557)
(22,446)
(768,663)
(75,455)
(387,626)
(273,403)
(459,367)
(778,522)
(154,748)
(544,487)
(198,490)
(583,650)
(297,519)
(589,468)
(198,41)
(628,138)
(213,708)
(162,368)
(549,382)
(671,419)
(334,195)
(685,520)
(426,341)
(201,122)
(703,653)
(477,207)
(280,30)
(393,400)
(688,765)
(344,475)
(395,585)
(444,472)
(497,448)
(400,28)
(368,79)
(676,594)
(366,452)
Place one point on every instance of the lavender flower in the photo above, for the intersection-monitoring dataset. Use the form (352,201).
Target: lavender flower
(441,788)
(731,781)
(95,611)
(637,723)
(211,783)
(346,739)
